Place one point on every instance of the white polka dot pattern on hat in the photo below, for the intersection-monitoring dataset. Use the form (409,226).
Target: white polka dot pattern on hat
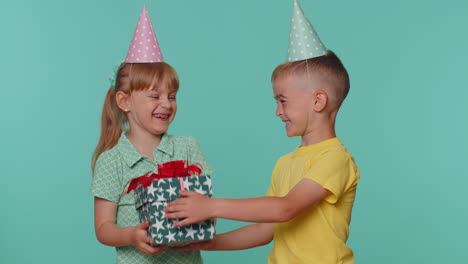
(304,43)
(144,47)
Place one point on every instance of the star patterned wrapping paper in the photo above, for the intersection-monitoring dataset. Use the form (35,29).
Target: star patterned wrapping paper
(150,202)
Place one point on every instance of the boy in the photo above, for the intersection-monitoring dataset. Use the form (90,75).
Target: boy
(308,207)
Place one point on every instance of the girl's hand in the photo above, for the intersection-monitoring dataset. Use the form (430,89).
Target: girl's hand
(143,242)
(194,207)
(207,245)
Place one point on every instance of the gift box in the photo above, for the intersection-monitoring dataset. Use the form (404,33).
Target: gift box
(154,191)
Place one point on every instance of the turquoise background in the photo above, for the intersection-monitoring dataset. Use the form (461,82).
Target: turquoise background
(405,119)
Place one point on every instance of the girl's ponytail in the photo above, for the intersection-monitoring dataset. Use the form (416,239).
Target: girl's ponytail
(112,120)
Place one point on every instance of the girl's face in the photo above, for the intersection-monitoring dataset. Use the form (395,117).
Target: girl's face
(151,110)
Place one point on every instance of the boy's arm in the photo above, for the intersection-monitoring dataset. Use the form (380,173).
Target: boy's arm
(243,238)
(196,207)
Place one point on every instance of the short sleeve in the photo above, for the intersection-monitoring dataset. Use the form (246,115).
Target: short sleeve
(334,170)
(197,156)
(106,182)
(272,189)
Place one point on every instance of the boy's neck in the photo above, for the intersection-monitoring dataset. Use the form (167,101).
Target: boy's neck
(144,143)
(317,136)
(320,128)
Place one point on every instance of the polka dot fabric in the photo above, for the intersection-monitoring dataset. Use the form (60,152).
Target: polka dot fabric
(115,167)
(304,42)
(144,47)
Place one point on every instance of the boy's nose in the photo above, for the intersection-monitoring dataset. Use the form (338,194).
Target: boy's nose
(279,112)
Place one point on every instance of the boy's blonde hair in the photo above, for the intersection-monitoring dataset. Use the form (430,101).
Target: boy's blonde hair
(130,78)
(328,67)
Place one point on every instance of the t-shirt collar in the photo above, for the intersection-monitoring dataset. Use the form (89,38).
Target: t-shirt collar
(132,156)
(305,150)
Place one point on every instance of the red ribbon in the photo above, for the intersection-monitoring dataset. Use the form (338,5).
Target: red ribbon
(171,169)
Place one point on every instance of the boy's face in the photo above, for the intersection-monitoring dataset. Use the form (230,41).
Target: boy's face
(294,104)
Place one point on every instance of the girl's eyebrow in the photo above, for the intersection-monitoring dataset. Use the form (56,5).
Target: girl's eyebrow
(158,91)
(172,89)
(153,90)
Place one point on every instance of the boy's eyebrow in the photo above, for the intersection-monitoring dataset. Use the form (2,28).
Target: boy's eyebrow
(279,96)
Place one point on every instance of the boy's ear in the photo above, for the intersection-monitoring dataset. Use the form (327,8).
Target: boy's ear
(123,101)
(320,100)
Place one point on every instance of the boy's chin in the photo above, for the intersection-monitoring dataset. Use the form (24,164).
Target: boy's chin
(291,134)
(294,133)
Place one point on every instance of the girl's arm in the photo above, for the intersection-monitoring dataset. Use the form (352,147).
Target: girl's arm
(108,233)
(243,238)
(196,207)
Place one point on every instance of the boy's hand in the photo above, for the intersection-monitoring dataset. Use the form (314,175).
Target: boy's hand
(194,207)
(143,242)
(207,245)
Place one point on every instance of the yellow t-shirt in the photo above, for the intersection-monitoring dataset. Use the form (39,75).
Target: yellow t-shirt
(319,234)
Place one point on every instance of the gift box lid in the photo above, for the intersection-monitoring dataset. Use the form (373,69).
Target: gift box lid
(168,189)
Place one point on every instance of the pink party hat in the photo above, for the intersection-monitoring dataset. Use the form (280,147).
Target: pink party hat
(144,47)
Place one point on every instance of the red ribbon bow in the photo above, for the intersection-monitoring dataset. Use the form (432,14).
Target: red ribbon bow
(171,169)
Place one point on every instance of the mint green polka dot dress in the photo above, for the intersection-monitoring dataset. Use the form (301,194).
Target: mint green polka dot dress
(115,167)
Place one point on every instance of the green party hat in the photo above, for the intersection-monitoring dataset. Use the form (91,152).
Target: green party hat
(304,42)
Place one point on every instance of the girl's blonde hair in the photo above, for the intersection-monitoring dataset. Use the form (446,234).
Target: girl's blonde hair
(130,77)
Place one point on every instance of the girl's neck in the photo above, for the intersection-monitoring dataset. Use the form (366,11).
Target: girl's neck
(144,143)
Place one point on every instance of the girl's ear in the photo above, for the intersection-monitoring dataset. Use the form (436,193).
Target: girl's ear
(123,101)
(320,100)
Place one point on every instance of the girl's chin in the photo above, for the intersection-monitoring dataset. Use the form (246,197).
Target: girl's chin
(159,130)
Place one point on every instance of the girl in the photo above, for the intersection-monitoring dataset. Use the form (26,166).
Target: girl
(136,115)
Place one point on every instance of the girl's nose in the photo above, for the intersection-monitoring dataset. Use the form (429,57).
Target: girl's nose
(165,103)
